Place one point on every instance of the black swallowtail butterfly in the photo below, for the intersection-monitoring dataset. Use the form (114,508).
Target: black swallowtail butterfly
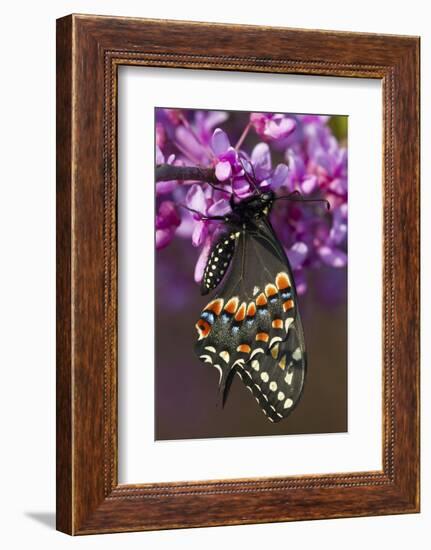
(252,326)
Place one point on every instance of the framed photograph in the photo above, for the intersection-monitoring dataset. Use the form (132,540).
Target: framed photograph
(237,274)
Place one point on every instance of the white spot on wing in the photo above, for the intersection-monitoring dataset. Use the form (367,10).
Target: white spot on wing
(218,367)
(287,323)
(256,351)
(206,358)
(280,396)
(273,386)
(225,356)
(255,365)
(210,348)
(264,376)
(274,340)
(288,403)
(297,354)
(288,378)
(255,290)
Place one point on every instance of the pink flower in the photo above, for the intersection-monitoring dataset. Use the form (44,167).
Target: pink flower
(203,205)
(272,126)
(167,220)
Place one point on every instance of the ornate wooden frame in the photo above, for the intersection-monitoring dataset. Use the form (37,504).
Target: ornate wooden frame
(89,51)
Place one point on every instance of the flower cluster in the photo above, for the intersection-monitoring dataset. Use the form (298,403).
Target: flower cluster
(283,152)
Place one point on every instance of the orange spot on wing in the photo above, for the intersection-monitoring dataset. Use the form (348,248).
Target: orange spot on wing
(282,281)
(203,328)
(244,348)
(270,290)
(277,323)
(288,304)
(251,310)
(231,305)
(262,337)
(215,306)
(261,300)
(240,314)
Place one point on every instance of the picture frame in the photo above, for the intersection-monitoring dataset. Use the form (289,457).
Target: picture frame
(89,51)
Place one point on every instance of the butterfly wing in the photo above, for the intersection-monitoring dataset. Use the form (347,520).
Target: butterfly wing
(252,327)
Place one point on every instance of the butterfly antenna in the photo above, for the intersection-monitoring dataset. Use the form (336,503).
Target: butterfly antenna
(201,215)
(218,188)
(251,180)
(296,196)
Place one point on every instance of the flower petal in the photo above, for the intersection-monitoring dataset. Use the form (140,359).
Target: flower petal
(300,282)
(223,170)
(219,142)
(296,165)
(200,232)
(219,208)
(279,127)
(308,185)
(194,151)
(338,231)
(230,155)
(333,256)
(202,260)
(279,176)
(261,159)
(160,157)
(164,187)
(213,118)
(195,198)
(167,216)
(297,254)
(241,187)
(164,237)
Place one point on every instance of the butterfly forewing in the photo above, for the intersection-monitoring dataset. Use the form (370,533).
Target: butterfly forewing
(252,325)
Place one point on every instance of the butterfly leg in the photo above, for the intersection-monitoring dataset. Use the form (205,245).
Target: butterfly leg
(204,217)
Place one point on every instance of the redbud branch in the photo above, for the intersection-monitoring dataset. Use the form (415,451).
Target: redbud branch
(243,136)
(168,172)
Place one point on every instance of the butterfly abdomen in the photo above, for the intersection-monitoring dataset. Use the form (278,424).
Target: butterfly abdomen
(218,261)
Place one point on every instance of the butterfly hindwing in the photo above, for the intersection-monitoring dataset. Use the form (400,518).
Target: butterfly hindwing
(252,326)
(276,377)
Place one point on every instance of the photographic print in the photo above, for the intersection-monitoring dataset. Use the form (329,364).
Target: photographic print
(232,237)
(251,273)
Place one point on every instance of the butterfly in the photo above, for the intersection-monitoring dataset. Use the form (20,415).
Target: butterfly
(252,326)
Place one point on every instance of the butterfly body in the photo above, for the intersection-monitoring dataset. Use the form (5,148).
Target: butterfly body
(242,218)
(252,325)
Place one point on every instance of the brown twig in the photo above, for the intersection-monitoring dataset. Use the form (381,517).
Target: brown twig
(167,172)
